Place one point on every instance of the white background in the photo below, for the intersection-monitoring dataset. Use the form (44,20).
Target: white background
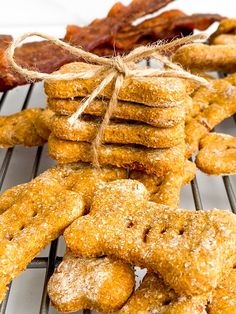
(19,16)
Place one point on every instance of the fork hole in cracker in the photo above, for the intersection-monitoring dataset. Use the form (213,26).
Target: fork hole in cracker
(181,231)
(9,237)
(130,224)
(34,214)
(166,302)
(163,230)
(22,227)
(207,309)
(145,234)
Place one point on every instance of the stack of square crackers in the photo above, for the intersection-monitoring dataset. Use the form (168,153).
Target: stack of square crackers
(146,130)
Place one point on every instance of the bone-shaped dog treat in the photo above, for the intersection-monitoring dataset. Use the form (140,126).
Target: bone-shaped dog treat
(207,58)
(188,249)
(217,154)
(150,160)
(46,204)
(42,123)
(217,103)
(84,179)
(8,197)
(225,39)
(163,116)
(101,284)
(143,90)
(118,132)
(38,216)
(224,296)
(225,33)
(18,129)
(154,296)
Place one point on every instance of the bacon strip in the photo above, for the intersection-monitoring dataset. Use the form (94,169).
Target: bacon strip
(102,36)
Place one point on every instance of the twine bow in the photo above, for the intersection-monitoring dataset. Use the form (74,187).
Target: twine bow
(116,68)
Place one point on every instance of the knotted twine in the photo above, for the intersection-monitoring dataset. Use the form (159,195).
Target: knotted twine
(111,69)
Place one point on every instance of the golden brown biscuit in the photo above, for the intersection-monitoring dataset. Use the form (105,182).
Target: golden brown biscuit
(217,102)
(189,171)
(38,216)
(150,160)
(101,284)
(154,296)
(217,154)
(8,197)
(42,123)
(227,29)
(159,117)
(18,129)
(44,207)
(82,178)
(224,296)
(189,249)
(203,57)
(149,91)
(225,39)
(117,132)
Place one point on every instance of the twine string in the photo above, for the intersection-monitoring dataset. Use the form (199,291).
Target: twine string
(113,70)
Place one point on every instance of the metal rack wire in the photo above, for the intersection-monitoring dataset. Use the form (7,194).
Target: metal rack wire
(49,263)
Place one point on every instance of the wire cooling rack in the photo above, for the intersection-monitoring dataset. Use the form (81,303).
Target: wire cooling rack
(21,163)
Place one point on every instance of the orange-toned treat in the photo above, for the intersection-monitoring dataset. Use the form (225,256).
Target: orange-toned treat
(18,129)
(101,284)
(225,39)
(117,132)
(149,91)
(47,205)
(42,123)
(207,58)
(189,249)
(225,33)
(154,296)
(38,216)
(163,190)
(8,197)
(216,103)
(150,160)
(189,171)
(84,179)
(166,115)
(224,296)
(217,154)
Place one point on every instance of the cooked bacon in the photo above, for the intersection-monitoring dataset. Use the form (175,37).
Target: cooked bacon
(108,36)
(103,30)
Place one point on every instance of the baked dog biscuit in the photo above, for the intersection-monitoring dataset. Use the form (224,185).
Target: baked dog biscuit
(18,129)
(225,33)
(38,216)
(102,284)
(150,160)
(203,57)
(149,91)
(84,178)
(160,117)
(225,39)
(154,296)
(217,102)
(217,154)
(117,132)
(224,296)
(42,123)
(189,249)
(9,197)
